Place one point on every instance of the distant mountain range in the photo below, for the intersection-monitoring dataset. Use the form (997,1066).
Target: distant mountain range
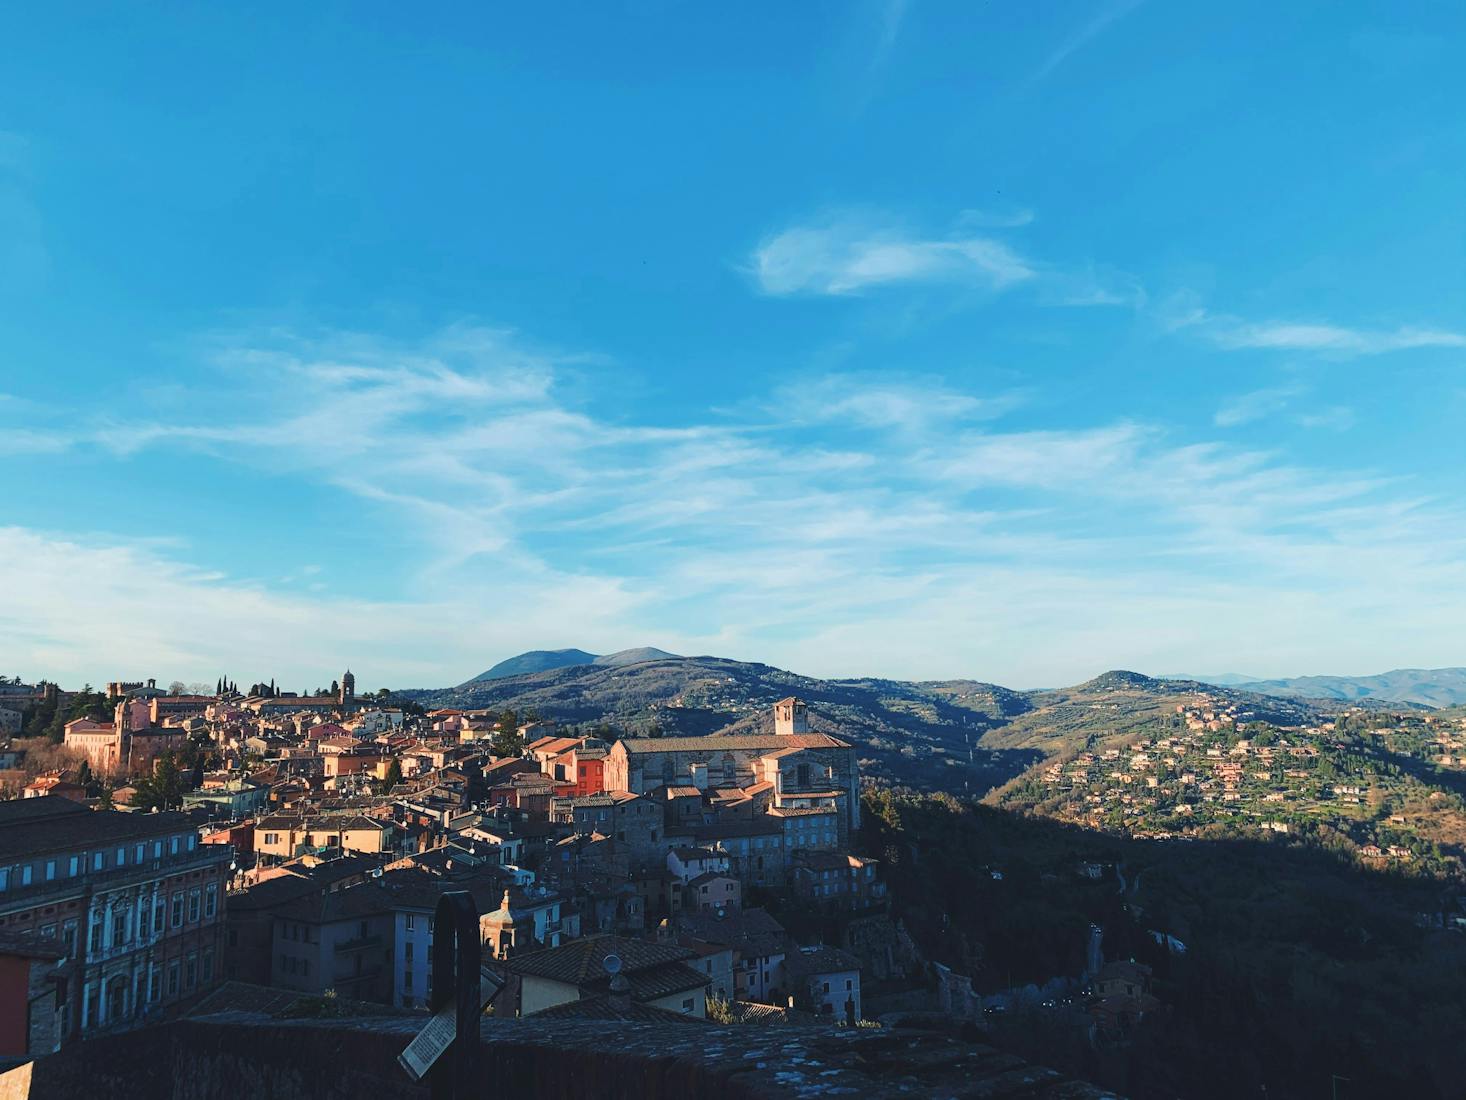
(542,660)
(1425,687)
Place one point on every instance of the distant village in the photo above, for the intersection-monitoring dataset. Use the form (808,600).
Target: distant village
(1221,766)
(307,858)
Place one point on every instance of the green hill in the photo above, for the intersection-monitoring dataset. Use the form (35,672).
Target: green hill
(965,736)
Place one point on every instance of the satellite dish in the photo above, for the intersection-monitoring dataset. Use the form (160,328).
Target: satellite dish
(612,963)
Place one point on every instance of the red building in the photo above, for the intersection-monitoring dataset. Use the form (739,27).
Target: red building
(32,995)
(585,767)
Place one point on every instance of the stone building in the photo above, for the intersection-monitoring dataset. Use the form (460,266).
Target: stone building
(133,899)
(792,767)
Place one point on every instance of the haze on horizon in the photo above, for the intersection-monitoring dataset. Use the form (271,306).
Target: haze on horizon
(905,339)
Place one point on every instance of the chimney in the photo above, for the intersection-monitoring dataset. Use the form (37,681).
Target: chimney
(620,996)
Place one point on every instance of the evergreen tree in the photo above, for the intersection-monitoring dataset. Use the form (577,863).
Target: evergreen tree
(163,789)
(506,740)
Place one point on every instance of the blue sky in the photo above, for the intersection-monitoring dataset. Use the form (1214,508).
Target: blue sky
(1011,341)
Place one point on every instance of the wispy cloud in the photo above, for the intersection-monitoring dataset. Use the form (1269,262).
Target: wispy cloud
(853,254)
(892,13)
(889,400)
(1110,11)
(851,523)
(1336,417)
(1185,311)
(848,257)
(1247,407)
(1014,218)
(1294,336)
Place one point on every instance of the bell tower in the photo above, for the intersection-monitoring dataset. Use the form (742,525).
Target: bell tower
(790,716)
(348,689)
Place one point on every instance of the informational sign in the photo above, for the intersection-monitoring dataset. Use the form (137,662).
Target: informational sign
(430,1043)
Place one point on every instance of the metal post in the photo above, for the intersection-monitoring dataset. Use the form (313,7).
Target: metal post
(456,961)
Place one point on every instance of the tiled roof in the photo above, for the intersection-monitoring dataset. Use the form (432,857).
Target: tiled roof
(28,830)
(803,811)
(717,743)
(828,861)
(752,931)
(819,960)
(601,1008)
(709,876)
(244,997)
(581,962)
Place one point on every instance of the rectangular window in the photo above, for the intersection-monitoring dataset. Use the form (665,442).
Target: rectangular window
(119,929)
(172,845)
(194,901)
(4,878)
(176,917)
(98,859)
(193,841)
(25,875)
(173,978)
(137,853)
(75,866)
(155,985)
(68,935)
(211,900)
(407,951)
(121,857)
(157,849)
(409,922)
(208,965)
(191,972)
(159,909)
(50,869)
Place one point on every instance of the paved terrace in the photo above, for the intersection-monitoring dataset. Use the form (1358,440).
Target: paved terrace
(252,1056)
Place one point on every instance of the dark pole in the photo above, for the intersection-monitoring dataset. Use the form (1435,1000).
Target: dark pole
(456,960)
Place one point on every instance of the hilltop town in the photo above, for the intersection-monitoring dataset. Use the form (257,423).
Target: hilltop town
(186,849)
(194,852)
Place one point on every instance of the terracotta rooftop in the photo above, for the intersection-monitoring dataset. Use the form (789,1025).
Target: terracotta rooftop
(636,746)
(582,962)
